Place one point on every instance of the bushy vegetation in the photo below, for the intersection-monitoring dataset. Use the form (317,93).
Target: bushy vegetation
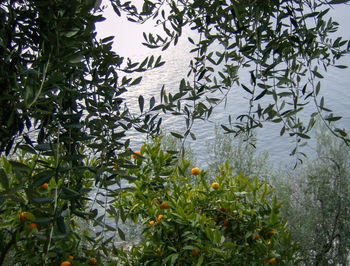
(67,165)
(234,220)
(239,153)
(315,195)
(317,205)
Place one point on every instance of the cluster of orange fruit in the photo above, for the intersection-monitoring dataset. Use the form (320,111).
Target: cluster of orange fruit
(158,220)
(93,261)
(23,218)
(197,171)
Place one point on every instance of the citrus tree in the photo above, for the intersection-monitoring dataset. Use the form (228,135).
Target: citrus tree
(191,219)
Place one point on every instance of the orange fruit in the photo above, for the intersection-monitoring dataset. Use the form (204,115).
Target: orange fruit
(70,257)
(22,218)
(257,236)
(43,186)
(66,263)
(215,185)
(116,167)
(159,250)
(272,232)
(195,171)
(226,222)
(150,223)
(25,216)
(135,155)
(160,216)
(272,261)
(33,225)
(194,252)
(164,206)
(93,261)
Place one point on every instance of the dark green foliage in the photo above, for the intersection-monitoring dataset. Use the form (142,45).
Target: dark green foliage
(61,100)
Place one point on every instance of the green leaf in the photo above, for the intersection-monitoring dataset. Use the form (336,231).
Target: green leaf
(121,234)
(317,74)
(333,118)
(42,220)
(189,247)
(27,148)
(200,260)
(43,147)
(193,136)
(61,225)
(19,166)
(77,58)
(43,200)
(151,102)
(341,66)
(141,102)
(4,179)
(246,89)
(73,157)
(177,135)
(136,81)
(68,193)
(336,2)
(42,177)
(260,95)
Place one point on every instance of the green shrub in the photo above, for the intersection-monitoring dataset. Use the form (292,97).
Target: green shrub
(188,221)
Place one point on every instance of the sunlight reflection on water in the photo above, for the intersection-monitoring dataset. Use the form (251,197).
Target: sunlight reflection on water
(335,88)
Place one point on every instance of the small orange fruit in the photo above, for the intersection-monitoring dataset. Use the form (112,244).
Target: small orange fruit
(136,155)
(195,171)
(215,185)
(93,261)
(43,186)
(226,222)
(22,218)
(150,223)
(256,237)
(272,261)
(194,252)
(66,263)
(160,216)
(25,216)
(159,250)
(272,232)
(70,257)
(33,225)
(164,206)
(116,167)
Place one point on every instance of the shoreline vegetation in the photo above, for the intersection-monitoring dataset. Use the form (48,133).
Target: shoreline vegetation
(321,183)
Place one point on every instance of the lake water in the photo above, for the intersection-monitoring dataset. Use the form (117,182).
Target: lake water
(128,39)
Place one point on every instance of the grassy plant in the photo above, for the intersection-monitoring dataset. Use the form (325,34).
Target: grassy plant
(239,153)
(317,206)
